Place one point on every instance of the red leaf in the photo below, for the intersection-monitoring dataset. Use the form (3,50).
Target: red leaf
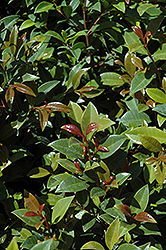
(30,214)
(96,142)
(86,89)
(73,129)
(127,1)
(58,106)
(104,149)
(143,216)
(24,89)
(124,209)
(138,32)
(92,126)
(31,202)
(41,208)
(148,33)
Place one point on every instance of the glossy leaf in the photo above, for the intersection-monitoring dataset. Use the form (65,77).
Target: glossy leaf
(140,200)
(160,173)
(30,214)
(61,208)
(160,53)
(9,95)
(145,217)
(49,244)
(38,173)
(91,127)
(148,131)
(24,89)
(31,202)
(138,31)
(13,245)
(113,143)
(54,34)
(124,209)
(129,66)
(57,106)
(43,118)
(161,109)
(13,40)
(43,7)
(31,221)
(26,24)
(127,246)
(111,79)
(139,82)
(76,112)
(137,61)
(134,43)
(47,86)
(133,117)
(156,94)
(92,245)
(77,77)
(150,143)
(69,165)
(72,184)
(112,236)
(72,129)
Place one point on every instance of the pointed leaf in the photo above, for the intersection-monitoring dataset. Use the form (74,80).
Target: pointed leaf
(30,214)
(54,34)
(13,245)
(145,217)
(112,235)
(157,95)
(24,89)
(13,40)
(31,202)
(148,33)
(140,200)
(127,246)
(9,95)
(72,129)
(61,208)
(26,24)
(69,165)
(91,127)
(111,79)
(31,221)
(43,118)
(77,77)
(129,66)
(47,86)
(58,106)
(150,143)
(138,31)
(139,82)
(137,61)
(76,112)
(124,209)
(43,6)
(160,173)
(50,244)
(38,173)
(92,245)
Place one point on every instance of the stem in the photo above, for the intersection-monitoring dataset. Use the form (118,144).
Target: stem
(100,17)
(85,27)
(65,16)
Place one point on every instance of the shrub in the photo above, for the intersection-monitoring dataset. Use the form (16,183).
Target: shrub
(83,111)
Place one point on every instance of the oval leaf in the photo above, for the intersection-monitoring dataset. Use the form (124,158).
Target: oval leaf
(93,245)
(9,95)
(31,202)
(58,106)
(112,234)
(145,217)
(150,143)
(43,118)
(43,6)
(24,89)
(30,214)
(124,209)
(138,31)
(72,129)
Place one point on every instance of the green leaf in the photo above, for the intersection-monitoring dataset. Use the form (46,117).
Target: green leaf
(125,227)
(160,173)
(76,112)
(69,165)
(133,117)
(61,208)
(72,184)
(72,152)
(122,177)
(90,115)
(161,109)
(111,79)
(54,34)
(148,131)
(26,24)
(150,143)
(31,221)
(140,200)
(139,82)
(38,173)
(104,122)
(43,7)
(47,86)
(29,77)
(46,245)
(113,143)
(104,176)
(13,245)
(115,213)
(112,234)
(156,94)
(127,246)
(93,245)
(3,191)
(142,8)
(129,66)
(96,191)
(134,43)
(160,54)
(13,40)
(77,77)
(9,21)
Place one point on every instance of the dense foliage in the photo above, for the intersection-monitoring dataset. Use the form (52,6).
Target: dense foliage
(82,124)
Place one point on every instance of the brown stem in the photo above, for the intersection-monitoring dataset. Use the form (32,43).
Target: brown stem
(100,17)
(47,226)
(65,16)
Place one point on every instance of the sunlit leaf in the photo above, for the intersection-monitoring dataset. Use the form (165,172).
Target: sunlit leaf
(43,118)
(31,202)
(57,106)
(30,214)
(112,235)
(9,95)
(13,245)
(24,89)
(92,245)
(72,129)
(124,209)
(92,126)
(138,31)
(150,143)
(145,217)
